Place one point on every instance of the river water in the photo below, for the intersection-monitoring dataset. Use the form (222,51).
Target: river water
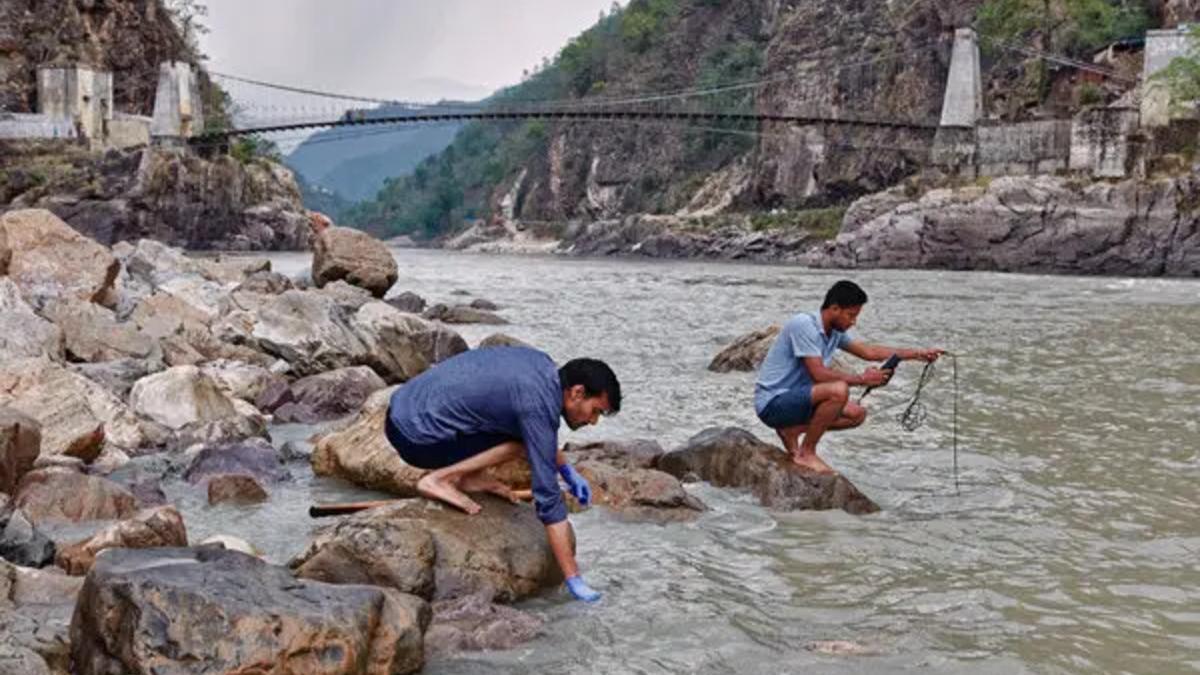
(1072,545)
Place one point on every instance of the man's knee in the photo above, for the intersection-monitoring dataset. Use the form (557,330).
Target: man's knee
(856,414)
(841,392)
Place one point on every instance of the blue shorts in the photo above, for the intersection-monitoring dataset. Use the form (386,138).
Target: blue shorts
(789,409)
(442,453)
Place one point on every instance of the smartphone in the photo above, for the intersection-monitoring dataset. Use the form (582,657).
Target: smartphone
(891,363)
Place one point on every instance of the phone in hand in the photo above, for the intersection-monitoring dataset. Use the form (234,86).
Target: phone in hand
(891,363)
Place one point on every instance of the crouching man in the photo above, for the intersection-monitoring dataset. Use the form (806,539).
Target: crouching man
(484,407)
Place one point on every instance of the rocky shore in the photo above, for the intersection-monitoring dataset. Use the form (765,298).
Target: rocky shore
(125,367)
(1037,224)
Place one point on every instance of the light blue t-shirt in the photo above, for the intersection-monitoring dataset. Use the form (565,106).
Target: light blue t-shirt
(783,369)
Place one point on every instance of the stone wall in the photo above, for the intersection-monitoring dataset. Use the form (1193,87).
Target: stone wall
(26,126)
(1023,148)
(1100,142)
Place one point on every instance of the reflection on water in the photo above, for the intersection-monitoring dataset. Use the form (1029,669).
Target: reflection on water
(1071,548)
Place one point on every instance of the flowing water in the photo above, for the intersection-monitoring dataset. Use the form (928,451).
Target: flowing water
(1073,545)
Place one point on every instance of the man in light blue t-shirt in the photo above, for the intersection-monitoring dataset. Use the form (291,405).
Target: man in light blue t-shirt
(798,393)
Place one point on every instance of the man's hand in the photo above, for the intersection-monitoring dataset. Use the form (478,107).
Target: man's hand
(874,377)
(928,355)
(581,590)
(578,484)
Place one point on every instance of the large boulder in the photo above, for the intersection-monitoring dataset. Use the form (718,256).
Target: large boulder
(48,259)
(35,619)
(216,611)
(401,346)
(23,333)
(734,457)
(309,330)
(62,495)
(340,253)
(77,415)
(328,396)
(150,528)
(91,333)
(745,353)
(20,443)
(180,396)
(361,454)
(424,548)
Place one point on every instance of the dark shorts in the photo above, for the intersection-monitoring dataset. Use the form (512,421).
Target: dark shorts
(443,453)
(789,409)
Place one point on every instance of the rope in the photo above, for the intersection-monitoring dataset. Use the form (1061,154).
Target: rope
(915,412)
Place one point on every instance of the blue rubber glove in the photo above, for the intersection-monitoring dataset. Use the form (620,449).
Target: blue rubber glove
(581,590)
(578,484)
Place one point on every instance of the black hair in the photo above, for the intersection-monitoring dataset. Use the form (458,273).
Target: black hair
(595,376)
(845,293)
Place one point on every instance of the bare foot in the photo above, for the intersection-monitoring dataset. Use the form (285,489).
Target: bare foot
(811,462)
(481,482)
(435,488)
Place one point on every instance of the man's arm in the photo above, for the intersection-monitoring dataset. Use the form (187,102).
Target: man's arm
(821,373)
(541,441)
(869,352)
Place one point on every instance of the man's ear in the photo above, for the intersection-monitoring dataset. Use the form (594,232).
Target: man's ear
(576,392)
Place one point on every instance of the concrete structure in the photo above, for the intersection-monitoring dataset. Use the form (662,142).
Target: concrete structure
(128,131)
(1023,148)
(30,127)
(177,109)
(1100,142)
(962,105)
(1162,47)
(79,94)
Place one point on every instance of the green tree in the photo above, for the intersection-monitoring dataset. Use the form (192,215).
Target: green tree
(1075,27)
(1182,75)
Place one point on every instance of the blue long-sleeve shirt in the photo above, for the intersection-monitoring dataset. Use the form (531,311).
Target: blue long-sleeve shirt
(501,390)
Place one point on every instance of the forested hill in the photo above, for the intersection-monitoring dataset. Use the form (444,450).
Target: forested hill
(780,56)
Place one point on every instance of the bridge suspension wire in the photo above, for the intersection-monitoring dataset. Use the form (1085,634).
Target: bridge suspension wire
(1008,46)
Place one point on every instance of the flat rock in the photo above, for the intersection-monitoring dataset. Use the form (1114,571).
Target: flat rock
(734,457)
(217,611)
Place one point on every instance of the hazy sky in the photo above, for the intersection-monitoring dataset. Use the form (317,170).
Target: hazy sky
(396,49)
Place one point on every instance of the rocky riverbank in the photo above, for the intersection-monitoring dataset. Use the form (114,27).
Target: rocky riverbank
(1039,224)
(125,368)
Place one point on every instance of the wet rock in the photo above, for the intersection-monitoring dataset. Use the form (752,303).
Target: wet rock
(231,543)
(151,528)
(462,314)
(274,394)
(354,256)
(436,552)
(255,457)
(408,302)
(401,346)
(235,488)
(328,396)
(22,543)
(624,480)
(361,454)
(24,334)
(76,414)
(212,610)
(474,623)
(48,259)
(293,451)
(734,457)
(486,305)
(20,443)
(502,340)
(117,376)
(745,353)
(60,495)
(35,618)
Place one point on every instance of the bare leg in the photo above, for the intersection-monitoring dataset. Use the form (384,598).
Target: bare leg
(481,481)
(443,484)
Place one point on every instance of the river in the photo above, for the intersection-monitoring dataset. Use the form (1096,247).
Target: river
(1072,545)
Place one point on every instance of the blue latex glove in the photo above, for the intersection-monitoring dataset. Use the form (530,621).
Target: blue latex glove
(581,590)
(578,484)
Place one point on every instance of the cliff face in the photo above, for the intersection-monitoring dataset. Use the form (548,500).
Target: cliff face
(165,194)
(127,37)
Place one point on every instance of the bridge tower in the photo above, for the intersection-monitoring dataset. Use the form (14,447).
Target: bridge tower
(178,113)
(962,106)
(77,96)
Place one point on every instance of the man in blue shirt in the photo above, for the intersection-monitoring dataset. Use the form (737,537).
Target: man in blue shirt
(798,393)
(487,406)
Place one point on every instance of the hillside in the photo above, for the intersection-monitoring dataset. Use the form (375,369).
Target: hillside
(557,172)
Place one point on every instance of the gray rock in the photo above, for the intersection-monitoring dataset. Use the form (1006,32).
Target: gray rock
(212,610)
(329,396)
(117,376)
(734,457)
(745,353)
(501,340)
(408,302)
(255,457)
(22,543)
(475,623)
(20,443)
(23,333)
(462,314)
(354,256)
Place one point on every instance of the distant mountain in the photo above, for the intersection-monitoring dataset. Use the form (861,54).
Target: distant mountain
(354,162)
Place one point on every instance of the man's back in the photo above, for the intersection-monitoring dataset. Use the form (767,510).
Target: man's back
(480,391)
